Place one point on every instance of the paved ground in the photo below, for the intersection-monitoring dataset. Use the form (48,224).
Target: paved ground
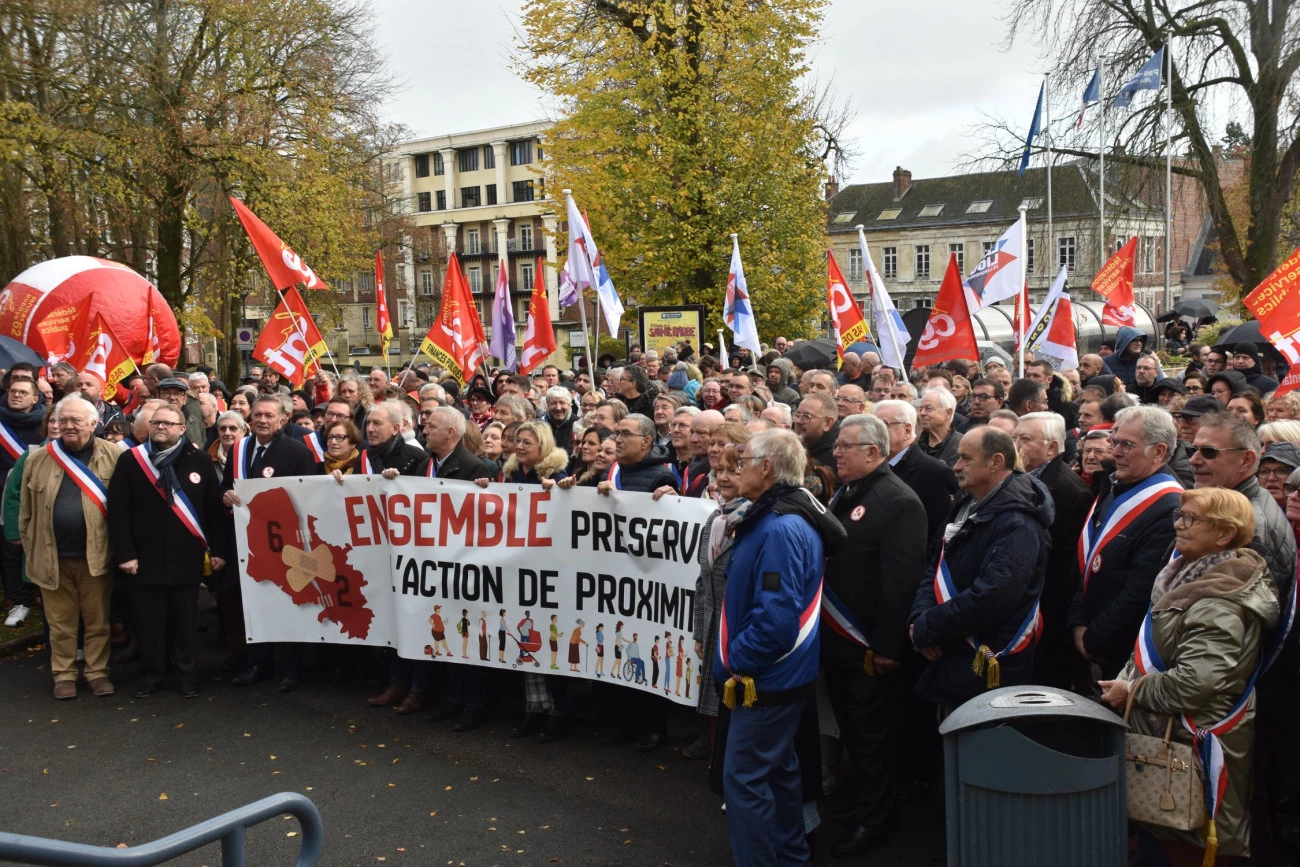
(391,789)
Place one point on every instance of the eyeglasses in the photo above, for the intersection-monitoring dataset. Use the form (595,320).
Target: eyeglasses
(807,417)
(1210,452)
(978,396)
(840,446)
(152,423)
(849,400)
(1291,490)
(1182,516)
(1275,472)
(228,428)
(1194,389)
(338,438)
(624,434)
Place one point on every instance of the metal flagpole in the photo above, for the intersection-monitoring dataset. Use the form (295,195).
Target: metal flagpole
(1169,162)
(1020,296)
(582,301)
(1047,129)
(302,332)
(1101,164)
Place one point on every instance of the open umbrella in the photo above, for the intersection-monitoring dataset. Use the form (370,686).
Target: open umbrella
(1246,332)
(11,352)
(813,354)
(863,346)
(1196,308)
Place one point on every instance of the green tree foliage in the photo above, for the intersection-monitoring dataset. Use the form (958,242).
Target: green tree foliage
(678,123)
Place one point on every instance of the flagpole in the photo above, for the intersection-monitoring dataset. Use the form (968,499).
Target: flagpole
(871,286)
(302,332)
(582,302)
(1020,296)
(1169,157)
(1047,129)
(1101,164)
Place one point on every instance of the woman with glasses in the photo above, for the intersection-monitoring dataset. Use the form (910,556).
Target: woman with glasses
(231,428)
(585,466)
(1212,610)
(1275,467)
(1194,383)
(342,455)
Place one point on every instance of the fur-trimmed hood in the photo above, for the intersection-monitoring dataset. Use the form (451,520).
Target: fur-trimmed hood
(555,462)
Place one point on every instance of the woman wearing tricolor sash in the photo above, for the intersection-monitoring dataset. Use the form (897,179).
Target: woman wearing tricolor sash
(1197,656)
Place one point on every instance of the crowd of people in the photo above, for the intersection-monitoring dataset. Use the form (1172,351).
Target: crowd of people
(884,548)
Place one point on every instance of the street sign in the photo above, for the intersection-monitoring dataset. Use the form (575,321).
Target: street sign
(245,339)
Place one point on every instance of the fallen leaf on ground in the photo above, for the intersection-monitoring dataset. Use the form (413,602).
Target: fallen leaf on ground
(163,796)
(292,834)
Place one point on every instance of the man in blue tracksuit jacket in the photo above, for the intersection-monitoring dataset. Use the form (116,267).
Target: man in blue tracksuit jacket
(768,648)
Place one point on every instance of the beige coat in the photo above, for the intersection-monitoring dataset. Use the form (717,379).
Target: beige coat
(1208,632)
(42,478)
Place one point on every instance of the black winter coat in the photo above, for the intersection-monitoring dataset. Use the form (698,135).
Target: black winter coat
(26,425)
(876,573)
(1054,659)
(285,456)
(143,527)
(997,560)
(649,474)
(408,458)
(936,485)
(464,465)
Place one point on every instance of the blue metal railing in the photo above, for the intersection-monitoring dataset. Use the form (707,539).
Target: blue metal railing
(228,828)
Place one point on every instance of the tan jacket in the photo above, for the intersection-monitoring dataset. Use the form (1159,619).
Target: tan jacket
(41,480)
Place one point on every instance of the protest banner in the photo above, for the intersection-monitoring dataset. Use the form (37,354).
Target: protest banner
(508,576)
(662,328)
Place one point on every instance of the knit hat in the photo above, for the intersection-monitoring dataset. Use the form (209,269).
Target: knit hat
(677,381)
(1286,454)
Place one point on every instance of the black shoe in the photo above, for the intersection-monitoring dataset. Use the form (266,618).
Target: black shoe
(700,748)
(144,691)
(471,719)
(531,725)
(448,709)
(646,743)
(556,728)
(848,817)
(252,675)
(189,692)
(859,840)
(289,683)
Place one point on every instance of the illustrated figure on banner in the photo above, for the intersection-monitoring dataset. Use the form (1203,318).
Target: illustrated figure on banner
(462,627)
(439,629)
(482,636)
(576,643)
(634,656)
(681,656)
(502,629)
(600,650)
(668,662)
(654,662)
(555,642)
(617,671)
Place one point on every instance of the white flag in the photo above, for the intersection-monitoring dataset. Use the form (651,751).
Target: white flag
(586,269)
(738,311)
(890,330)
(1051,334)
(997,275)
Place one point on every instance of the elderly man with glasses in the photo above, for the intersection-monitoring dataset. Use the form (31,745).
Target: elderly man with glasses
(850,400)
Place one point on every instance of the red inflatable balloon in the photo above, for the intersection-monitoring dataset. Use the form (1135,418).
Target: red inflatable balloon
(42,303)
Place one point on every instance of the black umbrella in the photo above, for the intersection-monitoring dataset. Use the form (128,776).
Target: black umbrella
(12,351)
(1246,332)
(1196,308)
(813,354)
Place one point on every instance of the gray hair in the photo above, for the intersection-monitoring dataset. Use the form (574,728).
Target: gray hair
(65,367)
(911,389)
(208,397)
(645,425)
(197,376)
(433,390)
(519,406)
(745,415)
(945,397)
(559,392)
(1158,425)
(1244,435)
(283,401)
(399,412)
(1053,427)
(1284,430)
(692,411)
(902,407)
(1294,478)
(870,431)
(784,450)
(231,415)
(77,400)
(450,417)
(783,410)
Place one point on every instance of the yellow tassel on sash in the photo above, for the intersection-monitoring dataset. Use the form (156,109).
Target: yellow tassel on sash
(1211,844)
(729,692)
(869,662)
(207,564)
(986,665)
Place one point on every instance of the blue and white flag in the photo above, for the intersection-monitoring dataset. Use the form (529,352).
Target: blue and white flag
(891,333)
(1034,129)
(586,268)
(503,320)
(1147,78)
(1091,94)
(737,311)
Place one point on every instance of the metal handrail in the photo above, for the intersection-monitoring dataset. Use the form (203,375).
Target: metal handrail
(228,828)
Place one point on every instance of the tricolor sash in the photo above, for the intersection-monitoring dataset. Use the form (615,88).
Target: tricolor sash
(986,661)
(89,483)
(615,477)
(239,457)
(11,442)
(313,444)
(808,620)
(180,504)
(366,468)
(846,626)
(1123,511)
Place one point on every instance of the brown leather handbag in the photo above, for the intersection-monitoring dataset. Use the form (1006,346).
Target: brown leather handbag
(1165,781)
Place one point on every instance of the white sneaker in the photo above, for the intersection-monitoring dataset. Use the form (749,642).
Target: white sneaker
(17,615)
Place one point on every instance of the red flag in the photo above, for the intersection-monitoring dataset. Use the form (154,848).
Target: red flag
(281,263)
(382,323)
(1114,282)
(291,343)
(847,323)
(948,334)
(152,350)
(1276,304)
(101,353)
(456,339)
(539,339)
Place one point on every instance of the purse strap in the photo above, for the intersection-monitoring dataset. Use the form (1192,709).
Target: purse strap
(1132,692)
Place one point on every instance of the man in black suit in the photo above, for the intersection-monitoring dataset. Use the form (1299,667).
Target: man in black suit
(267,453)
(931,479)
(387,452)
(1040,441)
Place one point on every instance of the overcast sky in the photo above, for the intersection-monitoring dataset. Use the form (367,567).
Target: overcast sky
(919,74)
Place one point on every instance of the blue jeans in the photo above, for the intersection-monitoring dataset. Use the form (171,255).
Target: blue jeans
(763,788)
(639,665)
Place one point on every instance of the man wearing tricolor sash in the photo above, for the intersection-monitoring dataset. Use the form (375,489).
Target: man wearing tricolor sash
(865,603)
(64,528)
(975,617)
(165,520)
(21,412)
(1125,542)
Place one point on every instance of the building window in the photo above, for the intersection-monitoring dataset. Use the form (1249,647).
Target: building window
(521,154)
(489,158)
(365,282)
(980,207)
(491,194)
(922,261)
(424,201)
(985,247)
(472,245)
(923,303)
(1148,254)
(467,159)
(405,316)
(441,198)
(422,165)
(522,191)
(526,276)
(1029,257)
(365,318)
(1065,252)
(525,237)
(437,164)
(959,250)
(469,197)
(931,211)
(889,262)
(475,275)
(426,282)
(855,266)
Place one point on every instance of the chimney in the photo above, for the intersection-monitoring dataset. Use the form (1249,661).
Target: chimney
(902,182)
(832,187)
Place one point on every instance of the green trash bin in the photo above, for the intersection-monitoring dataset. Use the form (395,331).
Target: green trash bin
(1034,777)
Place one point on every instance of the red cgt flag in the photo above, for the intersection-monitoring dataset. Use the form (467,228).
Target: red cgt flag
(847,323)
(948,333)
(1276,304)
(539,340)
(383,324)
(281,263)
(96,349)
(456,339)
(291,343)
(1114,282)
